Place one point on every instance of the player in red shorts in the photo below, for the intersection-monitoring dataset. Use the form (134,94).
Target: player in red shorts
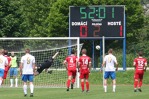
(71,64)
(8,66)
(85,67)
(140,65)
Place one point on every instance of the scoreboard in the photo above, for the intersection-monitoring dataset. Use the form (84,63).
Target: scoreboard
(96,21)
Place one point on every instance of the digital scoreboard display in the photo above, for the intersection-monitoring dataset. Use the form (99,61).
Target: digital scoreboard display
(96,21)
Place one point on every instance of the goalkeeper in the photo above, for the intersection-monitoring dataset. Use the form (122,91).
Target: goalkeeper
(45,65)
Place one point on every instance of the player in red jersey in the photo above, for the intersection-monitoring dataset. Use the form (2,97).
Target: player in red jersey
(84,68)
(71,64)
(8,66)
(140,65)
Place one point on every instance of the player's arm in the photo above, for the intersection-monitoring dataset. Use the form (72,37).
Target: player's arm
(116,63)
(65,64)
(145,67)
(21,67)
(90,66)
(134,63)
(54,56)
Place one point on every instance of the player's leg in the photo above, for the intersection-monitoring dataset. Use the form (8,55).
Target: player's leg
(106,76)
(113,77)
(136,76)
(1,76)
(73,78)
(69,79)
(31,77)
(15,76)
(140,82)
(11,71)
(87,82)
(82,80)
(4,76)
(24,79)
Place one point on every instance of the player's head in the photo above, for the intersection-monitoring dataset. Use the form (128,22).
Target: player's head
(12,53)
(73,51)
(5,52)
(140,53)
(84,51)
(27,50)
(1,51)
(110,51)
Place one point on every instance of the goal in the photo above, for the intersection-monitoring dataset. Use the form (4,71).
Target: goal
(42,49)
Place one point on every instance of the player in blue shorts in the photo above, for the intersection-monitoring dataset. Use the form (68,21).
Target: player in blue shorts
(27,67)
(109,62)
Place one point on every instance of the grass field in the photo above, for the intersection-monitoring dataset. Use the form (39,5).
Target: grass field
(124,88)
(96,92)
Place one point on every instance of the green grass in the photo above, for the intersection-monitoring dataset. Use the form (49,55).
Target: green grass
(96,92)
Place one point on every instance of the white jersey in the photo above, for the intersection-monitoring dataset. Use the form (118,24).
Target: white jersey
(27,60)
(3,62)
(110,61)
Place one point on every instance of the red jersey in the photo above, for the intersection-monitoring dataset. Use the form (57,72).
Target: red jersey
(84,62)
(71,62)
(140,63)
(9,59)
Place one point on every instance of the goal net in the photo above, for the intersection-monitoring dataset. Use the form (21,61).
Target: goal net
(42,49)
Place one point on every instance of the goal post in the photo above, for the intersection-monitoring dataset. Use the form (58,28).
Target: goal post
(42,48)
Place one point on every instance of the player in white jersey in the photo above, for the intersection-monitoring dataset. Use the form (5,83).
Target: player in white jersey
(109,62)
(3,63)
(27,67)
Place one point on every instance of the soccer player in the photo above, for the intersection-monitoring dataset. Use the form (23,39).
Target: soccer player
(109,62)
(84,68)
(13,70)
(45,65)
(71,64)
(27,67)
(7,66)
(140,65)
(3,63)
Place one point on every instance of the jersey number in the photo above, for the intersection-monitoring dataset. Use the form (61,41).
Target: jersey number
(109,59)
(28,60)
(140,63)
(71,60)
(85,62)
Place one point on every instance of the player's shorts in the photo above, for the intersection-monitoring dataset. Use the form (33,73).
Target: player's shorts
(27,77)
(1,72)
(13,71)
(72,73)
(110,74)
(84,74)
(138,75)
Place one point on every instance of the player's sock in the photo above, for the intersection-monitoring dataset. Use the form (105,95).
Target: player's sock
(105,88)
(68,83)
(16,81)
(11,82)
(25,89)
(82,86)
(114,87)
(87,86)
(31,88)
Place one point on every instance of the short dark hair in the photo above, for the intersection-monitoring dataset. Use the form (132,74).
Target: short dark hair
(84,51)
(110,50)
(140,53)
(27,50)
(5,52)
(73,51)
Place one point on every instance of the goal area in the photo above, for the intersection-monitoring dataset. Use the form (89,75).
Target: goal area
(42,48)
